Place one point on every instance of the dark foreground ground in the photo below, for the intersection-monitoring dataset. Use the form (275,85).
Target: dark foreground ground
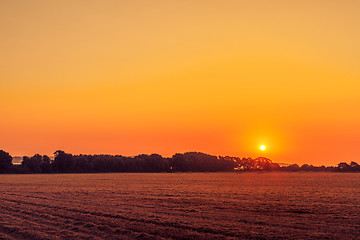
(180,206)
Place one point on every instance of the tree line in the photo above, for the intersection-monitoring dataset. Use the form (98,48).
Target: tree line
(180,162)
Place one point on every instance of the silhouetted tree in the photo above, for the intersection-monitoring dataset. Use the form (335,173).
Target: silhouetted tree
(153,163)
(305,167)
(355,166)
(179,163)
(5,161)
(294,168)
(344,167)
(36,164)
(263,163)
(247,164)
(63,162)
(81,164)
(32,164)
(201,162)
(45,164)
(275,166)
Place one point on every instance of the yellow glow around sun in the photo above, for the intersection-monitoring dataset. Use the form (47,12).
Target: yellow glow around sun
(262,147)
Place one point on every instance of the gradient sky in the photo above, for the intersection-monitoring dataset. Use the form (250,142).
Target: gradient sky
(221,77)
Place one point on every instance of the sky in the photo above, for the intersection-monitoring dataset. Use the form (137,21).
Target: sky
(220,77)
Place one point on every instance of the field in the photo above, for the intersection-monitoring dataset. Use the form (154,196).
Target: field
(180,206)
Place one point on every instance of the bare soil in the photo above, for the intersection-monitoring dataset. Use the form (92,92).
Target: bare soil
(180,206)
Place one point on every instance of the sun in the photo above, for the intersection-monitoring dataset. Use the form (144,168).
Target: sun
(262,147)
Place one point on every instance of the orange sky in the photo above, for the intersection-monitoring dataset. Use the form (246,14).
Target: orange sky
(221,77)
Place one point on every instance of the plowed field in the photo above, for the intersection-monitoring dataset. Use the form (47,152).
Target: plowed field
(180,206)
